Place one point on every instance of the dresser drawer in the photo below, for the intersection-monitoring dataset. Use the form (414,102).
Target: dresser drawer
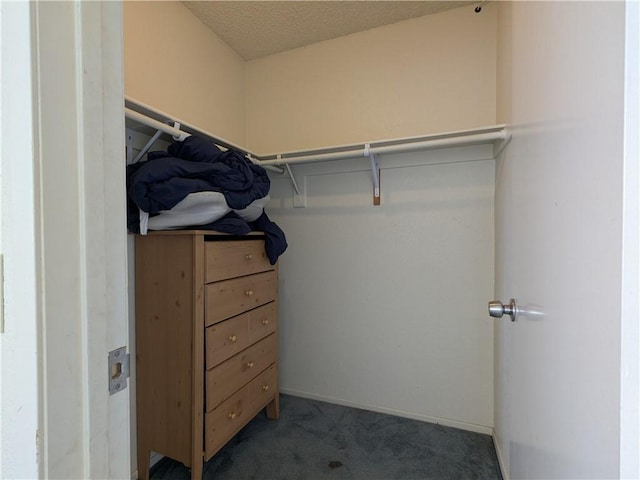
(262,321)
(225,421)
(228,298)
(263,388)
(223,380)
(225,339)
(234,259)
(230,416)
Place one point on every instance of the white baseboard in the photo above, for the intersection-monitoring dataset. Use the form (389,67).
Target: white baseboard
(501,462)
(471,427)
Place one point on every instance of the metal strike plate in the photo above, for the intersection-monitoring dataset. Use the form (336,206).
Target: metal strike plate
(118,370)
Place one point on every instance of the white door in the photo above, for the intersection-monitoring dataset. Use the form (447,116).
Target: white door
(18,328)
(64,241)
(561,205)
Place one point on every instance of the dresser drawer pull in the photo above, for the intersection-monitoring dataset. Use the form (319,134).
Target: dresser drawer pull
(233,338)
(265,387)
(265,321)
(248,256)
(248,293)
(250,364)
(232,415)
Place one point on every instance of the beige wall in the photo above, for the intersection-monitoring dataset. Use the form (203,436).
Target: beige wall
(431,74)
(177,65)
(426,75)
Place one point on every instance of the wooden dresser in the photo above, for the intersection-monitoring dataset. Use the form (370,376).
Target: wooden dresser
(206,342)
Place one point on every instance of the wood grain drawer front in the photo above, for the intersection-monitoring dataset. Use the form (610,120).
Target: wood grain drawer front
(263,388)
(223,380)
(225,339)
(225,421)
(235,259)
(262,321)
(230,416)
(232,297)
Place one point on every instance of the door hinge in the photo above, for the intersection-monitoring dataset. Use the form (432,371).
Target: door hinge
(118,370)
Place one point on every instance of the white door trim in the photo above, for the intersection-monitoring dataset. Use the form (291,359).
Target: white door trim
(630,324)
(81,236)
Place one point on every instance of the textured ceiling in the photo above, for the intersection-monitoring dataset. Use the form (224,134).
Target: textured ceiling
(256,29)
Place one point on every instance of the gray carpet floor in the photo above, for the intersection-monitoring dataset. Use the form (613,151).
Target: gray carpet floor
(317,440)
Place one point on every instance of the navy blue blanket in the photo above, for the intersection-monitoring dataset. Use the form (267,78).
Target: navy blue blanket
(197,165)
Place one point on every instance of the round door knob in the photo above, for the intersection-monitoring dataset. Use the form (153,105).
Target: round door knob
(233,338)
(265,387)
(265,321)
(250,364)
(248,293)
(232,415)
(248,256)
(497,309)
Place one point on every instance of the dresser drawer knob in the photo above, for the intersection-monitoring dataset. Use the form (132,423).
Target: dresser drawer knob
(248,293)
(250,364)
(265,321)
(265,387)
(232,415)
(233,338)
(248,256)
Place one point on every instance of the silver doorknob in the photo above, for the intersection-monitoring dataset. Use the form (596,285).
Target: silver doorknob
(498,309)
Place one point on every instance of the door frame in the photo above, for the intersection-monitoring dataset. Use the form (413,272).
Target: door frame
(73,240)
(630,299)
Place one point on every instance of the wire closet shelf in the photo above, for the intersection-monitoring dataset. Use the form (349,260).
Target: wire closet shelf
(144,117)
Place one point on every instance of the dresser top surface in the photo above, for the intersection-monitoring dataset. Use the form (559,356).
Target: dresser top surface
(202,232)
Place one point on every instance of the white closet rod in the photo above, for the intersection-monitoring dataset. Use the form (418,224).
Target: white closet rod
(462,139)
(176,133)
(180,135)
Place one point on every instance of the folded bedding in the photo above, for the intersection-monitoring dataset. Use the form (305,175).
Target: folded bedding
(195,165)
(198,208)
(202,208)
(196,184)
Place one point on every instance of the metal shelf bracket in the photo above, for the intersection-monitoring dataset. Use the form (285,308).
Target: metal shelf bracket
(148,145)
(375,173)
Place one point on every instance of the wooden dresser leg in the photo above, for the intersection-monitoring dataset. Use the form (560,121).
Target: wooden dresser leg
(196,472)
(273,408)
(144,455)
